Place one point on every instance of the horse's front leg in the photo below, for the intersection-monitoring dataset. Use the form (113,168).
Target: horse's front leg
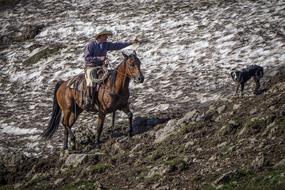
(100,123)
(130,116)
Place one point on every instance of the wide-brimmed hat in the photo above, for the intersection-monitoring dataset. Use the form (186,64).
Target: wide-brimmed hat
(104,32)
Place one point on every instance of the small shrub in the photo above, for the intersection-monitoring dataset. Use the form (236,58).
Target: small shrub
(100,168)
(256,123)
(156,155)
(177,164)
(152,179)
(281,122)
(86,185)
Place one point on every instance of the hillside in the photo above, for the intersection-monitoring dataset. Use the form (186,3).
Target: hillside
(233,144)
(191,132)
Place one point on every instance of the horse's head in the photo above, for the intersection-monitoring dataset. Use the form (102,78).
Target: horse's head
(133,65)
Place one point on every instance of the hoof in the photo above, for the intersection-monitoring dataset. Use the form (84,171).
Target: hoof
(130,134)
(73,147)
(97,145)
(64,153)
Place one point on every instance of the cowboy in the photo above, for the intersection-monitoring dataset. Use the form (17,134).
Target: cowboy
(95,57)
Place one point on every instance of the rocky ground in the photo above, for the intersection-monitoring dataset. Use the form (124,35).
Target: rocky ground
(191,131)
(233,144)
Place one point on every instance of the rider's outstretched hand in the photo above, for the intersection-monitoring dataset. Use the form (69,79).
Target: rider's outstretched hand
(102,58)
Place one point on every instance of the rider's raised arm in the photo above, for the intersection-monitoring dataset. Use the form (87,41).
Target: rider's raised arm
(89,56)
(117,45)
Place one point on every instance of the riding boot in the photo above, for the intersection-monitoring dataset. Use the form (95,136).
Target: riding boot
(95,100)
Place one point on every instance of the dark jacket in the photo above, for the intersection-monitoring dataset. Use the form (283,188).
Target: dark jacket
(94,50)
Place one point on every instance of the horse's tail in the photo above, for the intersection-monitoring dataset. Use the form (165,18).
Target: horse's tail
(55,117)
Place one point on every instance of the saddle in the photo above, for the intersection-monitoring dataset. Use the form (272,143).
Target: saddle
(78,82)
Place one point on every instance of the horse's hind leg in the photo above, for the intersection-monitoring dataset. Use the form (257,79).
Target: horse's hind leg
(65,123)
(72,119)
(68,120)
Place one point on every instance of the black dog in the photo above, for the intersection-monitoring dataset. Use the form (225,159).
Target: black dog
(242,76)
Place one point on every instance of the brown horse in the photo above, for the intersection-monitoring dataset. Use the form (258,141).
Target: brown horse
(69,101)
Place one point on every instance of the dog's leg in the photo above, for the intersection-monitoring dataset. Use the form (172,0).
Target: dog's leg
(241,88)
(257,85)
(237,88)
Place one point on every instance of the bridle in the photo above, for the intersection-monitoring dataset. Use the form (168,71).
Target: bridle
(108,62)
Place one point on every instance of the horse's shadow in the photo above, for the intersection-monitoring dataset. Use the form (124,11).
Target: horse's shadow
(120,132)
(140,125)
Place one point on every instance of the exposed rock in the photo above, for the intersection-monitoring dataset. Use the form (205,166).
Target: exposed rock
(218,118)
(253,111)
(100,186)
(207,116)
(227,177)
(30,31)
(140,186)
(214,157)
(281,163)
(138,147)
(259,162)
(75,160)
(117,148)
(158,170)
(233,123)
(236,106)
(230,128)
(223,130)
(211,108)
(58,181)
(222,144)
(37,177)
(221,109)
(243,131)
(40,53)
(20,35)
(189,144)
(199,149)
(190,116)
(272,108)
(166,131)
